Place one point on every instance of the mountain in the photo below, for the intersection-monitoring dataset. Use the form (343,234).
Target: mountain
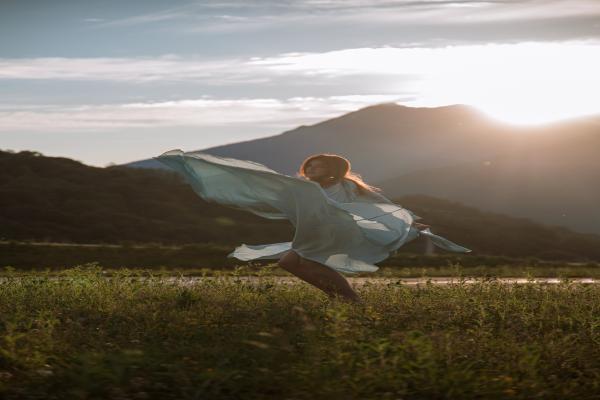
(557,182)
(380,141)
(62,200)
(549,173)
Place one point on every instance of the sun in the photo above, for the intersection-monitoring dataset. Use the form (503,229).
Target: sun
(528,83)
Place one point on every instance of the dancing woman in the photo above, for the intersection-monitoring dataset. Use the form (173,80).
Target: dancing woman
(341,223)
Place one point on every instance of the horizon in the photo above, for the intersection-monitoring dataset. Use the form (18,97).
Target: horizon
(126,81)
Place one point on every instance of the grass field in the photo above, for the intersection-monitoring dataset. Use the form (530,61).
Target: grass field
(87,337)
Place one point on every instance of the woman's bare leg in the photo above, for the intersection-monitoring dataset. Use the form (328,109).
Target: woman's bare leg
(328,280)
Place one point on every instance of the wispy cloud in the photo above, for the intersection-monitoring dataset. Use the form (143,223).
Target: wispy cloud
(232,16)
(148,18)
(522,59)
(203,112)
(137,69)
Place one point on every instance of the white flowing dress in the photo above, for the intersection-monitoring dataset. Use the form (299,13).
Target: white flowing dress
(335,226)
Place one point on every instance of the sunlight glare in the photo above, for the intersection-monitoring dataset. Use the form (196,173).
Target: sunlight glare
(529,83)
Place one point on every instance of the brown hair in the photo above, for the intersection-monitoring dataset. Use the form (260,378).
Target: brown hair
(339,167)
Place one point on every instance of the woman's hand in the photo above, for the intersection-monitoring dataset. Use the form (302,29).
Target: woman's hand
(420,226)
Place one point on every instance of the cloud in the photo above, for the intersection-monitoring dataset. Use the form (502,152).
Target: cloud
(517,60)
(236,16)
(137,70)
(204,112)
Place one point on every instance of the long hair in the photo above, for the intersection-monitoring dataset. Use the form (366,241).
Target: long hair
(340,168)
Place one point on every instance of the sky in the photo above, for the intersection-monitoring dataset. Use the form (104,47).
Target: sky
(117,81)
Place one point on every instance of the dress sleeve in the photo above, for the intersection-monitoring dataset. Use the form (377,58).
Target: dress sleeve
(374,197)
(239,184)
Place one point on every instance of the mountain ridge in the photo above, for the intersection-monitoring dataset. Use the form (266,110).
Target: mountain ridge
(387,141)
(284,152)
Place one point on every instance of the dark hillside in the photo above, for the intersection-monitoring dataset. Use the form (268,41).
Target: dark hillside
(61,200)
(55,199)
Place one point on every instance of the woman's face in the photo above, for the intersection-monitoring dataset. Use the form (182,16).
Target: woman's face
(316,170)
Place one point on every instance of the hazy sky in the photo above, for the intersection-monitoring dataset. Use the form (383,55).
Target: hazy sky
(117,81)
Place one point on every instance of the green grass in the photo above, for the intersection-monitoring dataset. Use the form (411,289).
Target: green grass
(86,337)
(450,269)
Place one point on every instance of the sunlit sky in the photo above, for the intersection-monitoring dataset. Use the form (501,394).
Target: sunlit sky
(117,81)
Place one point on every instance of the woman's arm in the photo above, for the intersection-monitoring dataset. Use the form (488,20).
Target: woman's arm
(421,226)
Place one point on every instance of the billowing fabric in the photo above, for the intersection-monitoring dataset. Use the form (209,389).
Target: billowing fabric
(335,226)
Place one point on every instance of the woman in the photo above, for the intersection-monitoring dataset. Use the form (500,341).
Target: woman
(341,223)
